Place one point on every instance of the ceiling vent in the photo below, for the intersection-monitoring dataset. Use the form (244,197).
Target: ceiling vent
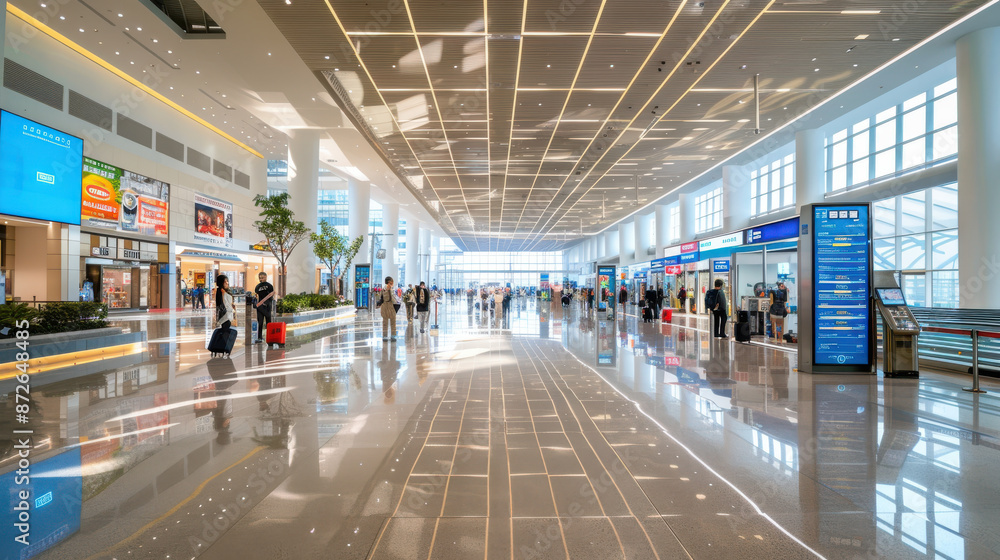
(32,84)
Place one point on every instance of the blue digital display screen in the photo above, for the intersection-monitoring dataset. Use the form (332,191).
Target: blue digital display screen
(785,229)
(41,170)
(362,285)
(54,489)
(606,287)
(842,284)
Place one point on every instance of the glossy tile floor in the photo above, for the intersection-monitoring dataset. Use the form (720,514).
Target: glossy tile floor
(546,434)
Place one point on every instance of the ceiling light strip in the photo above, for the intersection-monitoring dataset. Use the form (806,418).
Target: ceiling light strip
(673,71)
(513,109)
(378,146)
(621,98)
(437,108)
(17,12)
(555,129)
(691,88)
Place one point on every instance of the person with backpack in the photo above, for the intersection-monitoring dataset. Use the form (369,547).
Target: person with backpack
(410,299)
(715,302)
(423,300)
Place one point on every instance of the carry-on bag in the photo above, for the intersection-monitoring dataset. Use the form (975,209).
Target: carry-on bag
(222,342)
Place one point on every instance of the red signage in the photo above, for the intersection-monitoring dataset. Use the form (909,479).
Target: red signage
(689,247)
(672,269)
(673,361)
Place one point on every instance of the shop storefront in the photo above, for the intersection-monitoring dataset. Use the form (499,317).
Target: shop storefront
(126,274)
(198,268)
(714,263)
(768,257)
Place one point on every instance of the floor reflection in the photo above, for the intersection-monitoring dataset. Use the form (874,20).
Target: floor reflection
(645,439)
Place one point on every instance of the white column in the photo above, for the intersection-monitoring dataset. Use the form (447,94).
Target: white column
(359,197)
(645,236)
(412,251)
(611,243)
(810,172)
(978,168)
(626,241)
(432,278)
(735,198)
(303,185)
(425,257)
(662,228)
(390,239)
(687,217)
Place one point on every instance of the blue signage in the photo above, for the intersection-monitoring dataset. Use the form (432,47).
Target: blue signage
(44,504)
(841,246)
(606,287)
(720,266)
(39,163)
(362,285)
(688,258)
(785,229)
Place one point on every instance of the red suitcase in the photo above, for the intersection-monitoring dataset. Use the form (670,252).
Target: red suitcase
(666,315)
(276,333)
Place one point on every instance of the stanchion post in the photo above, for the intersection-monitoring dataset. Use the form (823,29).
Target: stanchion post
(975,364)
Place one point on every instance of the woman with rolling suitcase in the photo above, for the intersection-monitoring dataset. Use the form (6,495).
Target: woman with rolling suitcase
(224,337)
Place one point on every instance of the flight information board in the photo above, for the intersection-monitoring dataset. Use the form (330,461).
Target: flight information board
(842,288)
(362,285)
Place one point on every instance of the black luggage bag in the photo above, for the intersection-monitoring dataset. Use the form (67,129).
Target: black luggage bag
(742,332)
(647,314)
(222,342)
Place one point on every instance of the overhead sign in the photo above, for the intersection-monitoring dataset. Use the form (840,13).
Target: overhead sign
(721,242)
(689,257)
(672,269)
(720,266)
(672,251)
(671,361)
(691,247)
(213,221)
(785,229)
(841,249)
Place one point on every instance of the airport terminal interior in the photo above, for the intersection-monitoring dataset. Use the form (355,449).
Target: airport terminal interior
(519,279)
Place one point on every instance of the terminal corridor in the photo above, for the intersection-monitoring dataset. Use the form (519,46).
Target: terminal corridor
(545,434)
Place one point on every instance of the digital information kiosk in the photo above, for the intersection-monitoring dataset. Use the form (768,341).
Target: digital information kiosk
(899,328)
(836,333)
(606,288)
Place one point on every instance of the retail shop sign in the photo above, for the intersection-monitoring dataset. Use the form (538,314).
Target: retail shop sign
(671,361)
(689,247)
(123,201)
(785,229)
(721,242)
(720,266)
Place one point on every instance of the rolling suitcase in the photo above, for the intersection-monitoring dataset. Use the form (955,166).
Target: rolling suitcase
(276,333)
(222,342)
(667,315)
(742,332)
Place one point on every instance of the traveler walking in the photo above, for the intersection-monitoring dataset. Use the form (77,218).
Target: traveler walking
(387,305)
(265,298)
(423,299)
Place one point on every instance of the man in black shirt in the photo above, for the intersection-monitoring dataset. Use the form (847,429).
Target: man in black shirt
(265,298)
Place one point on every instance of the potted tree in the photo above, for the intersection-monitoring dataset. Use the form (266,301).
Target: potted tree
(332,247)
(283,232)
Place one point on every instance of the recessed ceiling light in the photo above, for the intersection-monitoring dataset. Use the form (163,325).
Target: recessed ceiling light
(815,69)
(43,5)
(116,52)
(138,29)
(896,39)
(119,15)
(327,57)
(155,41)
(548,66)
(861,37)
(197,71)
(131,62)
(861,12)
(81,30)
(335,69)
(612,65)
(62,17)
(171,87)
(855,65)
(289,2)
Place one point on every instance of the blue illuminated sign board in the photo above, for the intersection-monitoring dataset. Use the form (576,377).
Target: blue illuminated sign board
(53,494)
(39,163)
(688,258)
(785,229)
(720,266)
(606,287)
(362,285)
(841,245)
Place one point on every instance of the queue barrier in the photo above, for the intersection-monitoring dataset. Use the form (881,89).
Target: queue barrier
(975,334)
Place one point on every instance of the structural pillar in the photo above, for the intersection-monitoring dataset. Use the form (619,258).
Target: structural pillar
(412,252)
(303,185)
(425,257)
(810,168)
(611,246)
(626,240)
(359,196)
(978,168)
(644,236)
(390,240)
(735,199)
(687,217)
(662,228)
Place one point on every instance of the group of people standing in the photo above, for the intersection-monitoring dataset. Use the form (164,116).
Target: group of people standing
(390,300)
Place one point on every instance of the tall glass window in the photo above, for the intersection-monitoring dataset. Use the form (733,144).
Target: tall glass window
(916,235)
(919,132)
(772,187)
(708,211)
(519,269)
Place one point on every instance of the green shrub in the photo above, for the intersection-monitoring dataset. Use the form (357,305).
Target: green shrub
(56,317)
(297,303)
(15,312)
(68,316)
